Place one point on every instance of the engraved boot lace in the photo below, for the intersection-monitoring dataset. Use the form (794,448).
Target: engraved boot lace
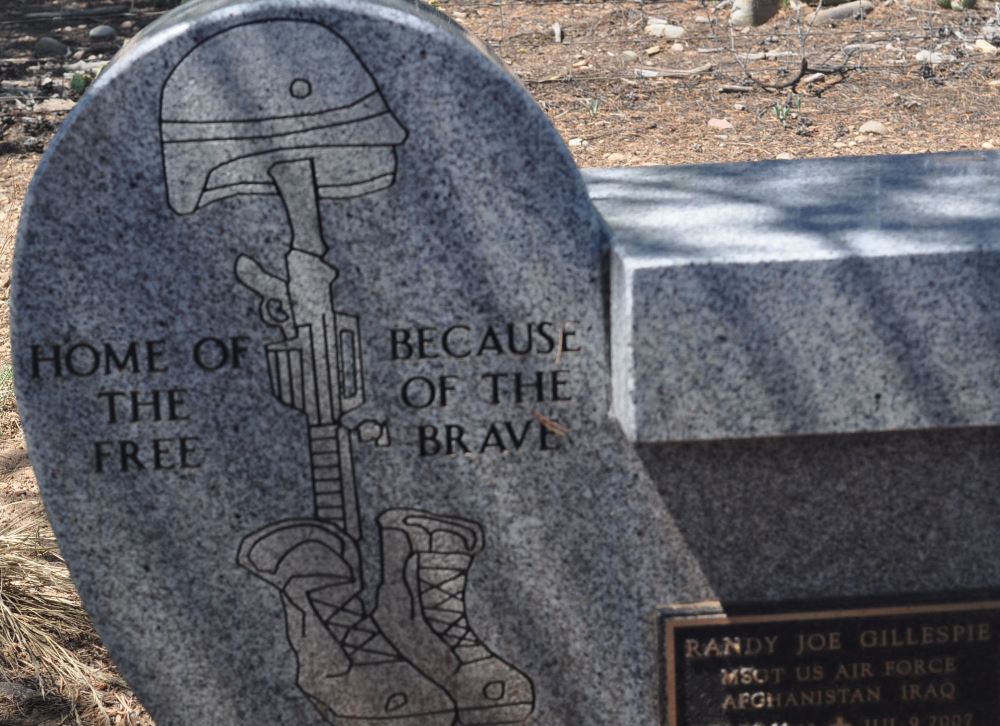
(355,630)
(442,579)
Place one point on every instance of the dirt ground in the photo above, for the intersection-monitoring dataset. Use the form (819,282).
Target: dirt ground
(588,84)
(910,65)
(17,481)
(618,95)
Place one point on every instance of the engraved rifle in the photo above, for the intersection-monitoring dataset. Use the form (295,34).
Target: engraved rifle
(316,367)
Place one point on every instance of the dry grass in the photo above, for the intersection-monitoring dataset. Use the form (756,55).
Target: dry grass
(10,421)
(41,616)
(54,667)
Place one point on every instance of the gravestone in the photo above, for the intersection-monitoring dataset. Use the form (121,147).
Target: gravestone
(812,388)
(348,408)
(311,351)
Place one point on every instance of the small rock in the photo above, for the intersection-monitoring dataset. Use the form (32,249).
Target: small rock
(986,47)
(576,142)
(740,106)
(83,66)
(103,32)
(742,15)
(962,4)
(839,145)
(47,47)
(677,47)
(78,55)
(653,50)
(989,144)
(55,105)
(630,55)
(557,34)
(125,24)
(701,19)
(785,156)
(995,82)
(840,12)
(617,158)
(932,57)
(719,123)
(873,127)
(665,30)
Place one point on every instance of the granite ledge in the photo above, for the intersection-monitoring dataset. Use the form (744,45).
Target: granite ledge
(805,297)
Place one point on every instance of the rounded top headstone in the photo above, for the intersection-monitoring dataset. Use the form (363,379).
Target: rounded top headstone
(308,325)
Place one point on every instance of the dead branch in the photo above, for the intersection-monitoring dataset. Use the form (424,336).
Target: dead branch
(672,72)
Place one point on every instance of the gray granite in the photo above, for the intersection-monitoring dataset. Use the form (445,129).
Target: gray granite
(311,336)
(821,296)
(402,504)
(828,518)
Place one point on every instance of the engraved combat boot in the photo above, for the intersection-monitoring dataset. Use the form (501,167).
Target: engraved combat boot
(421,608)
(346,667)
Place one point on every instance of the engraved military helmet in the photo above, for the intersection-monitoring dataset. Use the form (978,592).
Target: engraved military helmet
(239,103)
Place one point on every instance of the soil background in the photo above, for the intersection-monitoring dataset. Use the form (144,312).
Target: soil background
(910,77)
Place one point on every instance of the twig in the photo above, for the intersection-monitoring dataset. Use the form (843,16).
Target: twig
(803,69)
(672,72)
(768,55)
(829,83)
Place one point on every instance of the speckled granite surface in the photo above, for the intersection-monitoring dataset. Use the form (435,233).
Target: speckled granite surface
(824,296)
(310,332)
(400,503)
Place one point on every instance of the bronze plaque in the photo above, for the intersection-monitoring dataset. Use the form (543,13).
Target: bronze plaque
(918,665)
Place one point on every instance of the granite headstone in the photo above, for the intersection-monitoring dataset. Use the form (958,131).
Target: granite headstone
(348,408)
(812,387)
(311,351)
